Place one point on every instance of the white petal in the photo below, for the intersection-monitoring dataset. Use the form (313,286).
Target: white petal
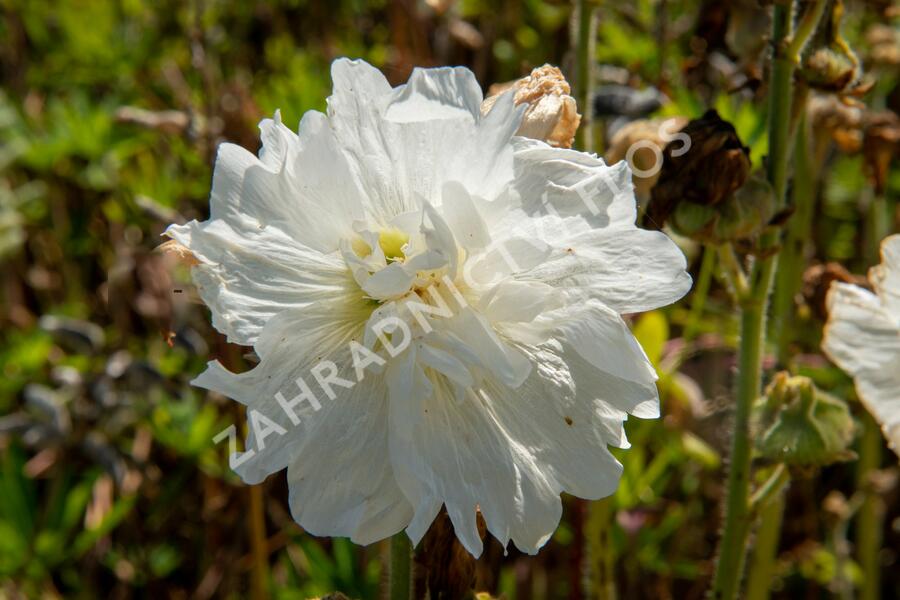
(442,93)
(863,337)
(886,276)
(519,301)
(462,217)
(339,473)
(629,270)
(603,339)
(247,275)
(500,359)
(404,144)
(567,183)
(460,455)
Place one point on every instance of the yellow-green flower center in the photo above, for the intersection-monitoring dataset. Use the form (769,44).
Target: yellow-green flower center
(391,241)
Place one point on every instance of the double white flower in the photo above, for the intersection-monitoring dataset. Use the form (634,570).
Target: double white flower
(436,306)
(863,338)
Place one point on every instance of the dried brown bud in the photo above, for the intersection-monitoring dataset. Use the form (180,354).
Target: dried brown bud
(817,280)
(714,166)
(552,115)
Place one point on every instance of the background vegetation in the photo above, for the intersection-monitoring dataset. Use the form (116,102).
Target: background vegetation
(110,113)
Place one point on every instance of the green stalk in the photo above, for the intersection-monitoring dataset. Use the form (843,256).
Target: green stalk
(871,513)
(401,570)
(765,550)
(768,504)
(730,563)
(584,52)
(793,254)
(732,547)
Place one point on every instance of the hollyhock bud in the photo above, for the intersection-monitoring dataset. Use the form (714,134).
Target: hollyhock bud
(799,425)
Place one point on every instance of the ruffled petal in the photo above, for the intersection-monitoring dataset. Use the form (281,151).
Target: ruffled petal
(885,277)
(248,274)
(863,338)
(628,270)
(460,455)
(339,472)
(403,144)
(568,183)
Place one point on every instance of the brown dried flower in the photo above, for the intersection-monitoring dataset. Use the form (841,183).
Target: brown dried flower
(552,115)
(817,280)
(713,168)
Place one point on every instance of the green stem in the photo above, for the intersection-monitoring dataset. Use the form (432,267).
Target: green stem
(805,28)
(584,76)
(871,513)
(765,551)
(734,272)
(701,290)
(400,573)
(732,547)
(767,503)
(730,564)
(793,255)
(770,489)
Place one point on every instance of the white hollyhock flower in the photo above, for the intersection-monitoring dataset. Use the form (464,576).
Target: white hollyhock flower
(506,388)
(863,338)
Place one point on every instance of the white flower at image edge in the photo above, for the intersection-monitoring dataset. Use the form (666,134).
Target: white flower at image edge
(410,194)
(863,338)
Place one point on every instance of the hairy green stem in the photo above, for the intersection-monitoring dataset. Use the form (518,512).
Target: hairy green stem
(738,516)
(804,29)
(730,563)
(778,479)
(401,559)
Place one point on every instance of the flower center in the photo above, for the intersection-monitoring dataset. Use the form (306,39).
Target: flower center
(392,241)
